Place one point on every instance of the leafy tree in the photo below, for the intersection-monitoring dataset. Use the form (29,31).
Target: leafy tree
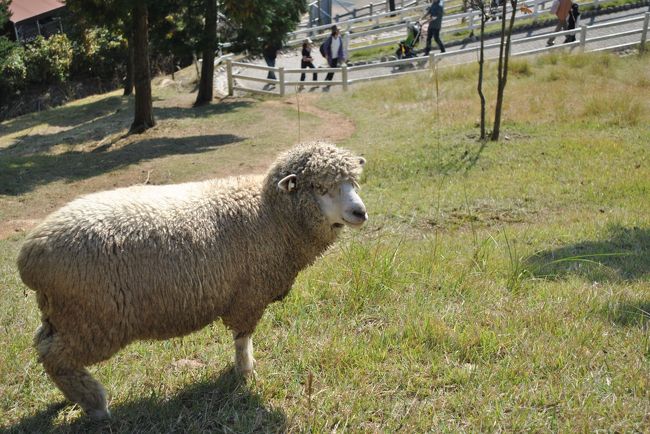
(259,22)
(255,23)
(128,15)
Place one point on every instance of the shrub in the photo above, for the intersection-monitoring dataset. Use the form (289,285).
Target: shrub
(12,69)
(48,60)
(100,53)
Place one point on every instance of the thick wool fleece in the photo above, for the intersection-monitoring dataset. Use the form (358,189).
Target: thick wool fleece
(153,262)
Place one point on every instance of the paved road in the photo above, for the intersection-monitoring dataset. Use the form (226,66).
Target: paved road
(291,60)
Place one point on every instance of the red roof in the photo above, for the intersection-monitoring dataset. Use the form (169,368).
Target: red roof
(25,9)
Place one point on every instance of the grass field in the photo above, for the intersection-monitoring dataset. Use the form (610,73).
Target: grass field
(497,287)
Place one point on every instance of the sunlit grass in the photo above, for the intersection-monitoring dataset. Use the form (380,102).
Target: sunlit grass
(497,287)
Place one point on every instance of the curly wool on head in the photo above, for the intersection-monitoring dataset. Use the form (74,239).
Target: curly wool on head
(323,164)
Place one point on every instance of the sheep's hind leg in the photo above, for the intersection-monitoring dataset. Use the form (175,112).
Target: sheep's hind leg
(244,360)
(70,377)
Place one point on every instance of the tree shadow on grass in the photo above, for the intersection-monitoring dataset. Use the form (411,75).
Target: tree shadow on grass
(24,173)
(70,115)
(225,404)
(625,255)
(94,122)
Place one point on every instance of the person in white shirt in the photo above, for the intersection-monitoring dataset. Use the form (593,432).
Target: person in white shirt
(332,49)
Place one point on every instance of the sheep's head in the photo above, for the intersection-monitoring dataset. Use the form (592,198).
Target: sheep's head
(327,175)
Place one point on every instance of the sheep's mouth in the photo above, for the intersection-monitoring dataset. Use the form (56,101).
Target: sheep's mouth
(337,225)
(352,224)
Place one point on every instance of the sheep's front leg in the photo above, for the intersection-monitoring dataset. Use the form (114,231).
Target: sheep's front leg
(244,360)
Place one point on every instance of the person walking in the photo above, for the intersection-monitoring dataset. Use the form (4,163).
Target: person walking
(307,61)
(572,20)
(435,13)
(270,53)
(332,49)
(561,9)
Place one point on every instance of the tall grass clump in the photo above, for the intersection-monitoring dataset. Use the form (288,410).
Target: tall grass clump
(615,110)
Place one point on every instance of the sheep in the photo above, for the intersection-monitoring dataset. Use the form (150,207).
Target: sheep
(154,262)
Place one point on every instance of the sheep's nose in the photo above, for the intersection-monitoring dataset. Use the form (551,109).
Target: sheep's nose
(360,214)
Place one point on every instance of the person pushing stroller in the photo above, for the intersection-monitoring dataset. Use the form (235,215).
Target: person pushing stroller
(435,13)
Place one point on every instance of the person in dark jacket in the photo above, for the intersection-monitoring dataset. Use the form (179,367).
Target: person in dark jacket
(333,49)
(270,52)
(435,14)
(307,61)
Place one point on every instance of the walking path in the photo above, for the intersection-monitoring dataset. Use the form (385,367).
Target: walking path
(291,59)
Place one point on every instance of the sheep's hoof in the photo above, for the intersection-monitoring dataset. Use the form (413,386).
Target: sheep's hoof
(247,370)
(99,414)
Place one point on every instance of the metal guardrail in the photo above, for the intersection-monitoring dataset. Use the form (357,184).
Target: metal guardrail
(420,64)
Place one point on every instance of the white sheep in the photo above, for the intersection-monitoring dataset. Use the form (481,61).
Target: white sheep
(154,262)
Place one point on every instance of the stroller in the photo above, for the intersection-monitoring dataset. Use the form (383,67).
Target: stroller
(406,47)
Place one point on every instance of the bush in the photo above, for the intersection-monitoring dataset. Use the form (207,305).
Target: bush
(12,69)
(100,53)
(48,60)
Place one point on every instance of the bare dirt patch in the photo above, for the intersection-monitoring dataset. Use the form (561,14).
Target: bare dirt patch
(49,158)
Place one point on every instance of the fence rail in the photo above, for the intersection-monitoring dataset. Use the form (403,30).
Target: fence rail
(469,21)
(419,64)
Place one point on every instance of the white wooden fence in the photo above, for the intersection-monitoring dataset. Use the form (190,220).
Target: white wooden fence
(288,77)
(372,25)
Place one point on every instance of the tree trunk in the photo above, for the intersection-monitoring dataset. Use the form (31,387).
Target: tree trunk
(129,79)
(143,118)
(501,79)
(206,85)
(481,63)
(503,76)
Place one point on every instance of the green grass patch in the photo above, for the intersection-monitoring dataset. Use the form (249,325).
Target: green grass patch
(502,286)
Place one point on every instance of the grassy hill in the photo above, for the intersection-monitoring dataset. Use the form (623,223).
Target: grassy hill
(497,287)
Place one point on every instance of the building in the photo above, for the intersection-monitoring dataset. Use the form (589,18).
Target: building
(30,18)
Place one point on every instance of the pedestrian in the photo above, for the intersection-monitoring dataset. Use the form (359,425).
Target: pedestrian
(307,61)
(332,49)
(574,15)
(561,9)
(270,53)
(435,13)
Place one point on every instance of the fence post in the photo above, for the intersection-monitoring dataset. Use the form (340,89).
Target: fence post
(344,77)
(644,33)
(432,59)
(370,9)
(231,86)
(471,21)
(281,80)
(583,38)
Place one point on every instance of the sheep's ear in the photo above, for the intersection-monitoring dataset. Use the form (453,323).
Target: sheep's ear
(288,183)
(362,161)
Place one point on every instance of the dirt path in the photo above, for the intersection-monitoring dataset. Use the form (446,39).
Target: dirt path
(272,130)
(333,126)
